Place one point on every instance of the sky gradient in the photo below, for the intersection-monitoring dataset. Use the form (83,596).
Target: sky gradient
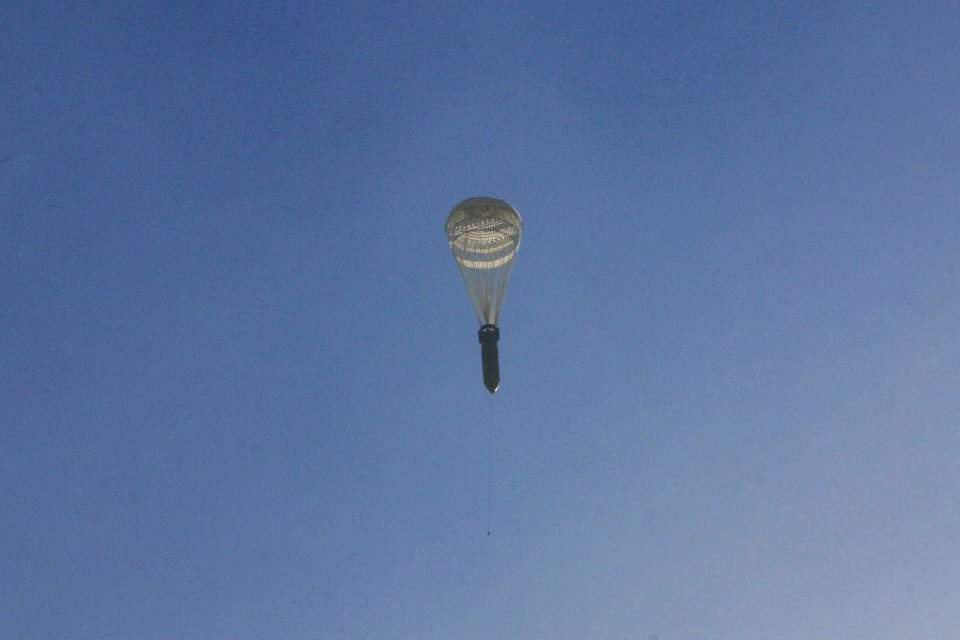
(240,387)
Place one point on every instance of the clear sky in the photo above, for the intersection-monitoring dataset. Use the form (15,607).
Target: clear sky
(240,386)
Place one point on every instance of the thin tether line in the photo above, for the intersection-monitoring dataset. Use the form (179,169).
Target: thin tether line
(489,462)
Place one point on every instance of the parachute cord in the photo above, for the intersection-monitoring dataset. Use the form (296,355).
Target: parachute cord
(489,463)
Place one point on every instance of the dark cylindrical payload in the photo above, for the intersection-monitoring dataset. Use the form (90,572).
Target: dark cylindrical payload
(489,334)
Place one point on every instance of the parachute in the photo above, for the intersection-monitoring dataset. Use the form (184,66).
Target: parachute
(484,235)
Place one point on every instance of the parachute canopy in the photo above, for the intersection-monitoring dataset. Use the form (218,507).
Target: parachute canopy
(484,235)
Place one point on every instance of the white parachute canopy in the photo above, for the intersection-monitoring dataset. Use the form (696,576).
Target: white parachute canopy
(484,235)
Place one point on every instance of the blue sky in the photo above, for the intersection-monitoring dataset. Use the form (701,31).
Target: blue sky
(240,390)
